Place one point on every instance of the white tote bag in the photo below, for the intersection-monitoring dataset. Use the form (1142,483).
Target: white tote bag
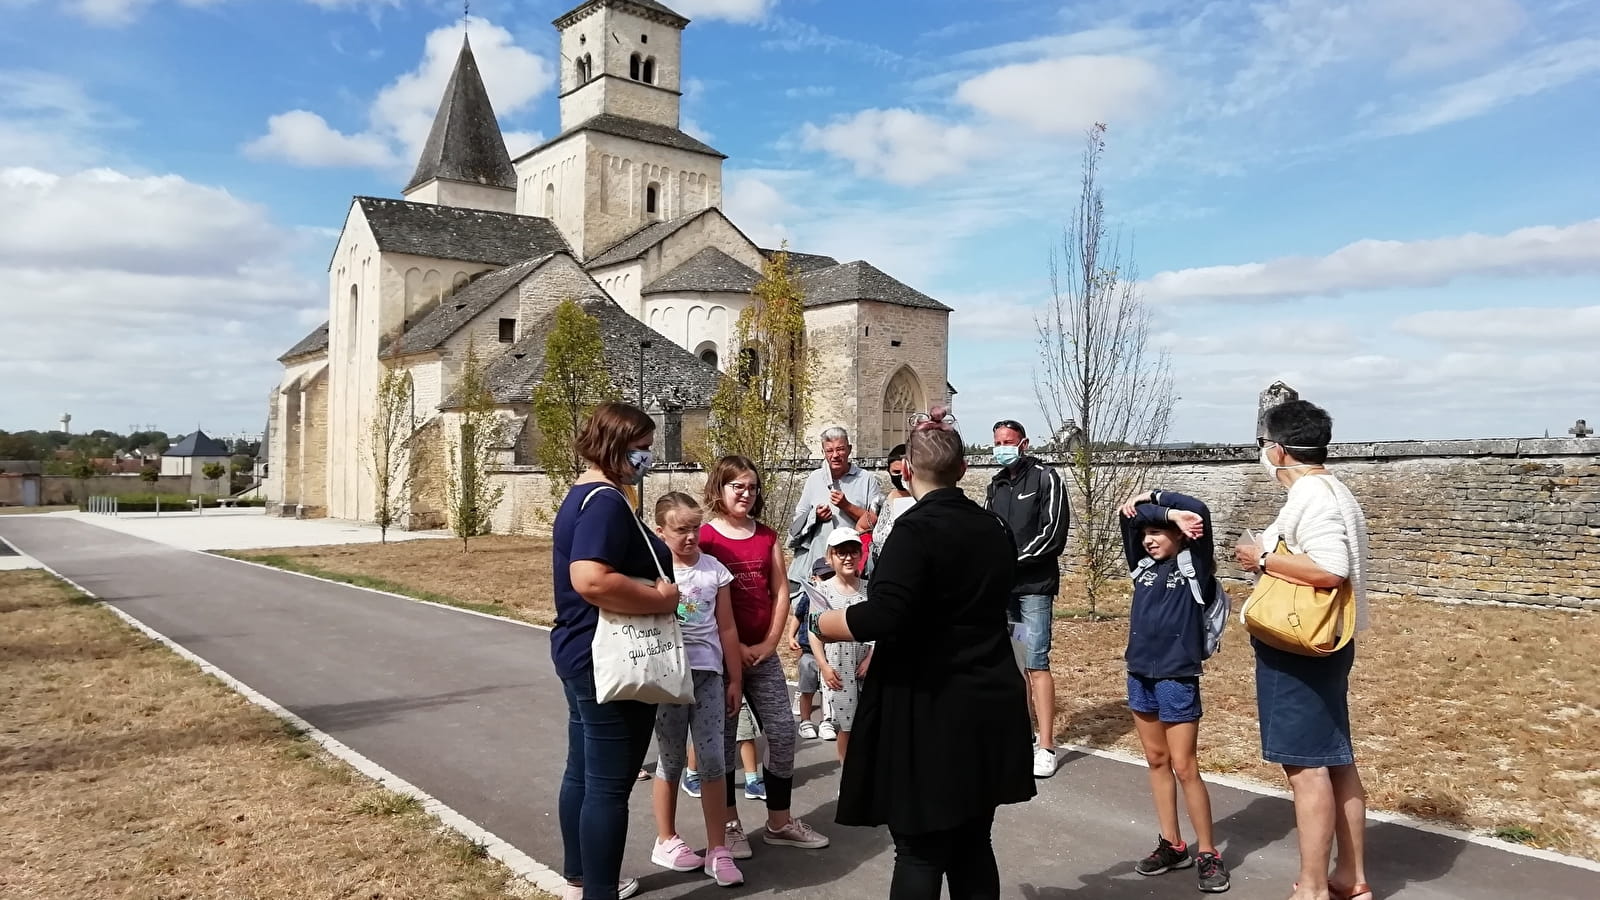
(640,657)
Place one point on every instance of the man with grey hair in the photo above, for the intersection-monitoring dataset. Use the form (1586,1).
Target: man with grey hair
(837,494)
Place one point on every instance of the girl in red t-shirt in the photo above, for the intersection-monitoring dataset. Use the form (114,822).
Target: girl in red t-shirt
(760,593)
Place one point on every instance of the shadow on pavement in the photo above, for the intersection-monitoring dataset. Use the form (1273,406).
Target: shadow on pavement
(1100,725)
(359,713)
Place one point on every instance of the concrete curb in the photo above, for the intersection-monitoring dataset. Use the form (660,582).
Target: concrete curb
(1241,784)
(521,864)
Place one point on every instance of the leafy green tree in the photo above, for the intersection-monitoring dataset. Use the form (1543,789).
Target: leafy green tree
(760,410)
(18,446)
(214,471)
(575,382)
(393,420)
(470,491)
(150,474)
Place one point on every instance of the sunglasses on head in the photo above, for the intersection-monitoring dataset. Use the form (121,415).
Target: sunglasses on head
(1012,424)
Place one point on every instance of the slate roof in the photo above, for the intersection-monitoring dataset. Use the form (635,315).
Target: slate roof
(804,262)
(465,143)
(456,310)
(667,366)
(634,245)
(315,342)
(198,444)
(862,281)
(450,232)
(708,270)
(637,129)
(649,5)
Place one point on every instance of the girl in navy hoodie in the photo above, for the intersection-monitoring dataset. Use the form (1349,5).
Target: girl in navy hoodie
(1165,656)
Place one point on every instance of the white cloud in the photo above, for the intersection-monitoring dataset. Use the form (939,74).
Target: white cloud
(164,322)
(727,10)
(758,208)
(809,92)
(988,316)
(403,111)
(304,139)
(47,119)
(1065,95)
(899,145)
(1376,265)
(1545,69)
(1548,327)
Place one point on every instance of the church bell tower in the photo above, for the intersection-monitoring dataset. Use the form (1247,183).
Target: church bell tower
(621,57)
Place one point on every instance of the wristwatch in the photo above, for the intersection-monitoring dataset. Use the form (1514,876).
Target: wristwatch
(1261,561)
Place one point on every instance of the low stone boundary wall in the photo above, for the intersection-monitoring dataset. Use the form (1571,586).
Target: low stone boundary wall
(1501,520)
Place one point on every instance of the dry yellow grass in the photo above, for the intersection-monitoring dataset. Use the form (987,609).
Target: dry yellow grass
(1481,717)
(125,772)
(31,510)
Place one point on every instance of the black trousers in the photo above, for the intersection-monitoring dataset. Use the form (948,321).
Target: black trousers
(964,854)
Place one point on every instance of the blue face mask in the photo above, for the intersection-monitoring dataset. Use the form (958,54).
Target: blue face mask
(1006,454)
(640,460)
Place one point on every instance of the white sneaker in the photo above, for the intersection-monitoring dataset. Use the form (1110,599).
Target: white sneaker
(627,887)
(828,732)
(808,731)
(1044,763)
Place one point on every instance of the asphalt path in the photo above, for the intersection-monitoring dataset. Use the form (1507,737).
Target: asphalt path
(470,710)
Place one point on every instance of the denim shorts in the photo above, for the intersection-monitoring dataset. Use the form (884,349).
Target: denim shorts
(1303,704)
(1031,617)
(810,676)
(1172,700)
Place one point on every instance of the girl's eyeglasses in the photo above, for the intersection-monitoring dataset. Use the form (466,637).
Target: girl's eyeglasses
(921,418)
(741,488)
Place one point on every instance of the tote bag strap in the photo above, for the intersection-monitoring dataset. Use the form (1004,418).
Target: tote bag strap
(643,532)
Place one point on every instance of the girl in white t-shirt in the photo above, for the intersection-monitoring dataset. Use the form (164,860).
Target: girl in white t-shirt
(843,663)
(705,617)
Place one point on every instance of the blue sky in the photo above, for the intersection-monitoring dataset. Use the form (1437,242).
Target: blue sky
(1394,205)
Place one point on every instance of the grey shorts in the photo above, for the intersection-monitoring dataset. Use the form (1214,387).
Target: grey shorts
(747,730)
(810,675)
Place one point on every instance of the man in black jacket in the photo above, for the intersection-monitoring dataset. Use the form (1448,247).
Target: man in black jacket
(1032,499)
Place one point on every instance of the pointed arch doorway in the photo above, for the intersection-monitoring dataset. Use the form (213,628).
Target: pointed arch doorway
(903,398)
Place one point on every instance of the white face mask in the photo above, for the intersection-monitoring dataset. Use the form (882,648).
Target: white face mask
(1272,470)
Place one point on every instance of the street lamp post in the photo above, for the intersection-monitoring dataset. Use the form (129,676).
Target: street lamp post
(639,492)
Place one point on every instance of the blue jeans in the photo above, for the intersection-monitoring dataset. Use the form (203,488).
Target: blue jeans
(606,744)
(1031,616)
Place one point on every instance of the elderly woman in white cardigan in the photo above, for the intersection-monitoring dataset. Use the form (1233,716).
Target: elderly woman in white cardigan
(1303,701)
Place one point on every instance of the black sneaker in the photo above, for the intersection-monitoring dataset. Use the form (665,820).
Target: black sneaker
(1213,874)
(1164,858)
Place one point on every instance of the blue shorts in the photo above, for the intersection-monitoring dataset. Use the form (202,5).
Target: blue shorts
(1171,700)
(1031,617)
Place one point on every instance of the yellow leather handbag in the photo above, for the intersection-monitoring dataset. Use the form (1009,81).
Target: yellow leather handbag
(1298,618)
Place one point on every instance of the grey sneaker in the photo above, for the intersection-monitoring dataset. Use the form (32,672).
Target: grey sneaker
(795,834)
(1163,859)
(1213,874)
(734,839)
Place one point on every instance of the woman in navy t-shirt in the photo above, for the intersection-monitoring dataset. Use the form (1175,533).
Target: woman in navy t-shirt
(602,561)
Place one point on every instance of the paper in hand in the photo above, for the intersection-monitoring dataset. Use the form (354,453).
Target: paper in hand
(817,599)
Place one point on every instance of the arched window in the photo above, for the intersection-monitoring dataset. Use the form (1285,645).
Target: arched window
(902,399)
(709,357)
(461,280)
(650,70)
(749,365)
(634,65)
(550,201)
(585,69)
(652,199)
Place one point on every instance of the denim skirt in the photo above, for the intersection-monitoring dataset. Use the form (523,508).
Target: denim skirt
(1303,703)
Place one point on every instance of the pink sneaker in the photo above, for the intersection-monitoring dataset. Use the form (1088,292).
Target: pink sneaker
(677,856)
(720,866)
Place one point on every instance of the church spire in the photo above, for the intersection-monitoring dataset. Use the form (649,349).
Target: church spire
(465,144)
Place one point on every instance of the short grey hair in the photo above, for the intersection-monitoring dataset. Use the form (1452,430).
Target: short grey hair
(835,434)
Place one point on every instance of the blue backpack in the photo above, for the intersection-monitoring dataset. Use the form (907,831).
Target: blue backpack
(1216,609)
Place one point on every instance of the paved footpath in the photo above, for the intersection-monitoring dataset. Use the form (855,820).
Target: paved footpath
(469,710)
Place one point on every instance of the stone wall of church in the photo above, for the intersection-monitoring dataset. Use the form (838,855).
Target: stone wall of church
(550,184)
(698,321)
(619,172)
(710,230)
(559,279)
(356,285)
(442,192)
(314,447)
(622,97)
(414,285)
(835,377)
(894,338)
(623,283)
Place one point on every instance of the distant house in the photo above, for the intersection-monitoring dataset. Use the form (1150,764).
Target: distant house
(190,455)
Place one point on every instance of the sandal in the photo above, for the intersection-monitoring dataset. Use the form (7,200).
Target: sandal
(1359,889)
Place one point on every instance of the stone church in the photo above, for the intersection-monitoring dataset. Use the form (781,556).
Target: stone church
(621,212)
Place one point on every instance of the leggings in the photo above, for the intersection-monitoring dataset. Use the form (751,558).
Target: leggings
(964,854)
(706,719)
(767,691)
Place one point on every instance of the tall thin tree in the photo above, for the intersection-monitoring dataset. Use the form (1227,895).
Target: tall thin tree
(575,382)
(470,488)
(762,406)
(1098,368)
(390,427)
